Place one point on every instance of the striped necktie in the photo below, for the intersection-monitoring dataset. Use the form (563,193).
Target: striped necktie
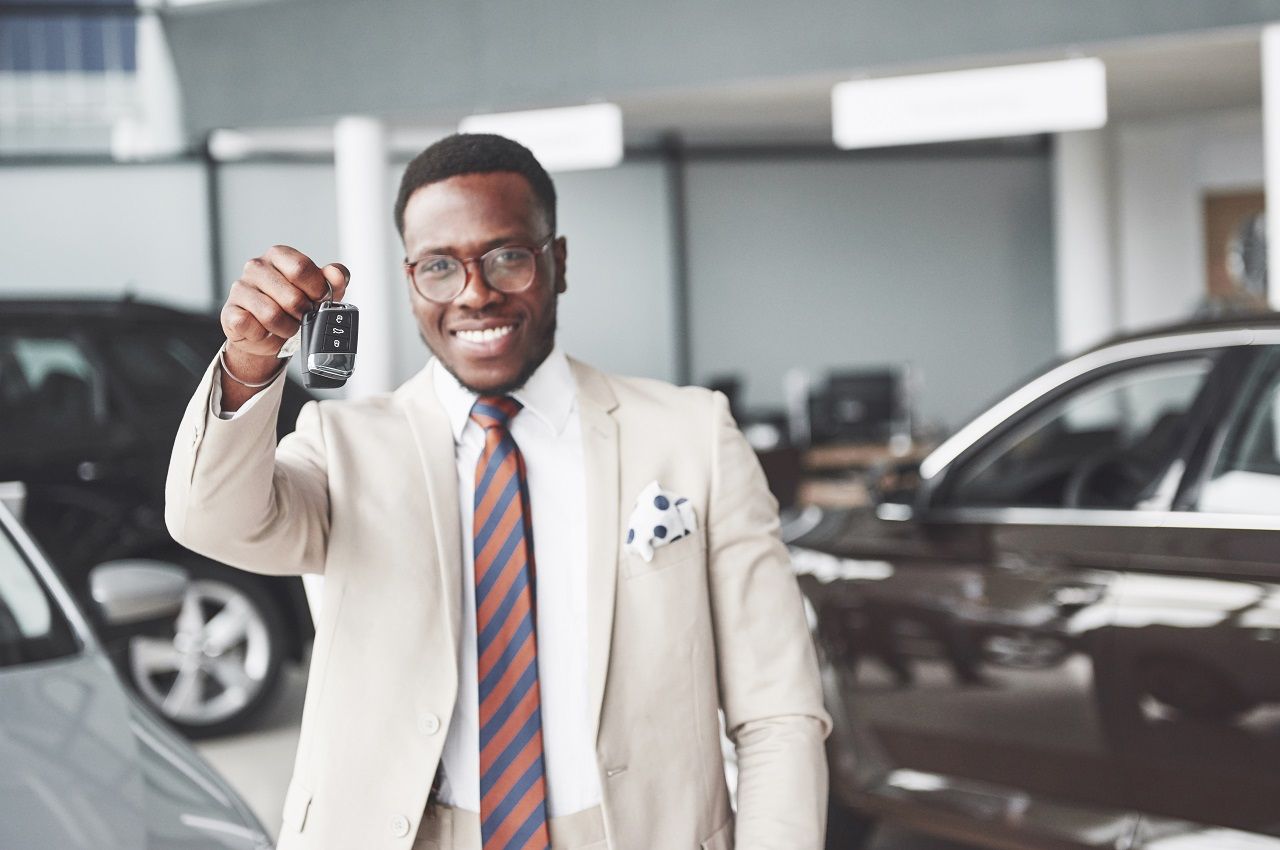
(513,793)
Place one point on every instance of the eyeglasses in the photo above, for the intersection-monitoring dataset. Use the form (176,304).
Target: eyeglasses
(507,268)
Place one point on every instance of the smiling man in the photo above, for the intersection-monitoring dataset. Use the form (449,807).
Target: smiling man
(543,583)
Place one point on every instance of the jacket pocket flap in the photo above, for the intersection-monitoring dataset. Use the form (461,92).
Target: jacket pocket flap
(676,552)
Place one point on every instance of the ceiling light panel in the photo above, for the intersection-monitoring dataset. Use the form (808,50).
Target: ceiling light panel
(985,103)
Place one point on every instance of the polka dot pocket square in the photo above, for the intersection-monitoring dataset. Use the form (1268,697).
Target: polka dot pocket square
(660,517)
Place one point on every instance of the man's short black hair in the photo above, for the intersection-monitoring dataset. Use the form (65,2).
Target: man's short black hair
(472,153)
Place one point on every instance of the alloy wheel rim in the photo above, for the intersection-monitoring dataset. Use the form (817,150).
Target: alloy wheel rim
(215,663)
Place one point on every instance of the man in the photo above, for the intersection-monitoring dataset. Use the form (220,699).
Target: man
(542,581)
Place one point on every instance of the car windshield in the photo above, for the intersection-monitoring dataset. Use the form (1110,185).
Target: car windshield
(162,365)
(32,627)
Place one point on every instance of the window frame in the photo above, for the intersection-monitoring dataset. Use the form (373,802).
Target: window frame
(1262,366)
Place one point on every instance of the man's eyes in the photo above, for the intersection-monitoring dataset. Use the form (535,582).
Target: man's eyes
(437,265)
(508,256)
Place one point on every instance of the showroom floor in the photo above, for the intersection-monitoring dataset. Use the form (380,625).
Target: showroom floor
(259,763)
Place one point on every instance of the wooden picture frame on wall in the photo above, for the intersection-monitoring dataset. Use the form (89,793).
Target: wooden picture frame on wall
(1235,261)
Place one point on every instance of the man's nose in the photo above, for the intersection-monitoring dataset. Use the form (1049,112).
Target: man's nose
(476,291)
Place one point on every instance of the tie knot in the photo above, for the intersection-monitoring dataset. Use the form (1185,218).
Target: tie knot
(492,411)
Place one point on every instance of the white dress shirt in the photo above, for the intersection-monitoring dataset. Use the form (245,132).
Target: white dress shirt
(548,432)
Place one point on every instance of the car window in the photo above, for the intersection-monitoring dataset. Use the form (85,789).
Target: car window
(1108,443)
(50,392)
(160,367)
(1245,477)
(32,627)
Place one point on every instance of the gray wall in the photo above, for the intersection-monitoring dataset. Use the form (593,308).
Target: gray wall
(944,263)
(303,60)
(104,230)
(619,309)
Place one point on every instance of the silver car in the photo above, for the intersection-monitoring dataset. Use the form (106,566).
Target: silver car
(83,764)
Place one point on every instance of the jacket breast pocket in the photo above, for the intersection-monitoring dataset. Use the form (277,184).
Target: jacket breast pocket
(673,554)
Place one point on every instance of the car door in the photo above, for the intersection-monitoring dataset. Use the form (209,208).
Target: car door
(1194,685)
(968,664)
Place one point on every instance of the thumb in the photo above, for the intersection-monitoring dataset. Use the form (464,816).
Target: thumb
(338,276)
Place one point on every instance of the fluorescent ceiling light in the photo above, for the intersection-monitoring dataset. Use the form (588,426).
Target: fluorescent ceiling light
(229,145)
(564,139)
(1016,100)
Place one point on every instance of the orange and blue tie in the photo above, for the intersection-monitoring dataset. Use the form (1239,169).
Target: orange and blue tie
(513,791)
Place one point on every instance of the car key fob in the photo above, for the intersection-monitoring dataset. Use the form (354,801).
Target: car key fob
(328,344)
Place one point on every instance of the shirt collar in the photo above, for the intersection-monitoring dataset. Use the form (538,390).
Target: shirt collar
(550,394)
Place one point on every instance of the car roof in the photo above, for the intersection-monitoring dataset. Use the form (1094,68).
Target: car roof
(95,308)
(1270,319)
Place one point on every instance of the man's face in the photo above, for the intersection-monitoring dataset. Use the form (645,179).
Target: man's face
(466,216)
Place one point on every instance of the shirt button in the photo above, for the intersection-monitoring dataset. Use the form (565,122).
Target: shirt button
(430,724)
(399,826)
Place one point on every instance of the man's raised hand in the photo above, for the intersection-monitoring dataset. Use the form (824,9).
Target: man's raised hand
(266,304)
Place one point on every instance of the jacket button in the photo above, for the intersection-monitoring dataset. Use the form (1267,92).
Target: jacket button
(399,826)
(430,724)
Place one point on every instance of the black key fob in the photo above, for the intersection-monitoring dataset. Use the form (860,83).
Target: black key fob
(328,344)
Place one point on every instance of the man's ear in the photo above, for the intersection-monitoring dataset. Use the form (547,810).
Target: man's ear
(560,250)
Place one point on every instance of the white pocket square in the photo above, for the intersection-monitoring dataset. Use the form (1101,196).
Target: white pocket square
(660,517)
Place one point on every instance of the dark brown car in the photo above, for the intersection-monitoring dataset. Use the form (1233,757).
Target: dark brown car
(1068,635)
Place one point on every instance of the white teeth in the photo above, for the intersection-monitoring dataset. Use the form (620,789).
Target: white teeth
(487,334)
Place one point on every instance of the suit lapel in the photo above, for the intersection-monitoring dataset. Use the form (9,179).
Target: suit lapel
(600,457)
(430,426)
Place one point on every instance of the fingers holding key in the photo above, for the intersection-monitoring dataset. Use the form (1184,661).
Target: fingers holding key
(274,291)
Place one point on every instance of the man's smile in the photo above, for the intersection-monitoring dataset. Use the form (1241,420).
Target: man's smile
(488,339)
(484,334)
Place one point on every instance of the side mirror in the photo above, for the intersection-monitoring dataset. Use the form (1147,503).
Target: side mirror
(135,591)
(894,491)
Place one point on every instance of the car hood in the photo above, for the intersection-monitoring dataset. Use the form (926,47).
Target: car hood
(86,766)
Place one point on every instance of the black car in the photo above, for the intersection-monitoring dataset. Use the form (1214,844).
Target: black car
(91,393)
(1068,634)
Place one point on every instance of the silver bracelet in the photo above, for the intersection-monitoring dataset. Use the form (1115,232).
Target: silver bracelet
(223,361)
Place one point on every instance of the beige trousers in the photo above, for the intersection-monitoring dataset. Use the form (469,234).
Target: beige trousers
(446,828)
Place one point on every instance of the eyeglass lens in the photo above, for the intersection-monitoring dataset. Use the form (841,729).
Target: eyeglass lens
(508,268)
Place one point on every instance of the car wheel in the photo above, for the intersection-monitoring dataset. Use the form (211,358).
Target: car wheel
(847,829)
(223,661)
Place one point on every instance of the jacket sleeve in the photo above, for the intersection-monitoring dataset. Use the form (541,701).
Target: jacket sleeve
(232,495)
(768,673)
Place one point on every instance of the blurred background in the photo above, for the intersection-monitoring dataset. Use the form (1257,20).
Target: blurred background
(864,221)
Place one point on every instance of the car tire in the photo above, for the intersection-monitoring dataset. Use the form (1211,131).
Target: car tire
(208,676)
(847,828)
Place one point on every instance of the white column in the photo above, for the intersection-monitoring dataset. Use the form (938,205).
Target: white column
(1271,135)
(364,216)
(154,130)
(1082,224)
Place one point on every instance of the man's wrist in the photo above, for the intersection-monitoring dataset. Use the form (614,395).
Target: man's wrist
(245,367)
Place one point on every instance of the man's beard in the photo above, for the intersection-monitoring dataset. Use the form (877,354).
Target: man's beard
(521,378)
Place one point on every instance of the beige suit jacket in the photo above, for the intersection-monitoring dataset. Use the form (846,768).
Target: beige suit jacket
(365,493)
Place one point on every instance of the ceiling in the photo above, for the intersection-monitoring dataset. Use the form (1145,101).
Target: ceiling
(1145,79)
